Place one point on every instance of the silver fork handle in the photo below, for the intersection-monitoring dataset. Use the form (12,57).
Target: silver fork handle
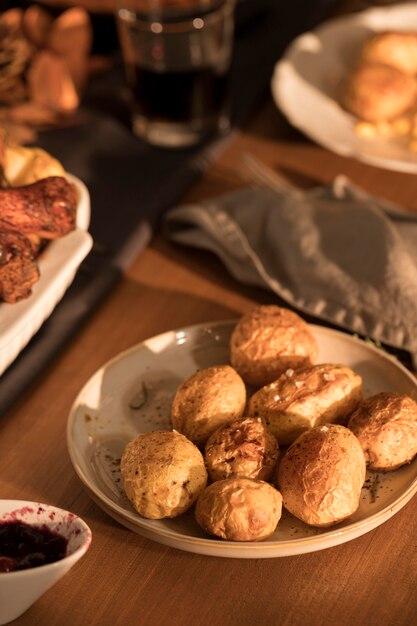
(265,176)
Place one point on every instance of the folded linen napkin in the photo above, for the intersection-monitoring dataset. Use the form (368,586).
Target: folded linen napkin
(333,252)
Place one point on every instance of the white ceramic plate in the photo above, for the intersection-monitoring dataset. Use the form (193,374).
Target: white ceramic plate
(58,264)
(102,421)
(307,85)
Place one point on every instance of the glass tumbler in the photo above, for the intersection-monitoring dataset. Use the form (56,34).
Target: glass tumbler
(177,56)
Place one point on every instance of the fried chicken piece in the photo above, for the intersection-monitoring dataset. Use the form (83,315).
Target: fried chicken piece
(46,208)
(18,267)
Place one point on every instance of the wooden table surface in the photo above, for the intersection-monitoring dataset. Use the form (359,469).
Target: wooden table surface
(128,580)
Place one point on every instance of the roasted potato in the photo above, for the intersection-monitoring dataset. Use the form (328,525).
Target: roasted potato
(163,473)
(321,475)
(386,426)
(269,340)
(300,400)
(210,398)
(243,449)
(239,509)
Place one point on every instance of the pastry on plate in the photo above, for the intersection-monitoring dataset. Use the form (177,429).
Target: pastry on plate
(386,426)
(269,340)
(321,475)
(377,92)
(163,473)
(300,400)
(394,48)
(239,509)
(210,398)
(243,449)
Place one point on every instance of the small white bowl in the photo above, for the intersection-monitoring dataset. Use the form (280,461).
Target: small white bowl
(20,589)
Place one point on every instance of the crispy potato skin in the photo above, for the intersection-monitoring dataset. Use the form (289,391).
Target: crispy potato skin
(269,340)
(210,398)
(396,49)
(377,92)
(322,474)
(243,449)
(163,473)
(300,400)
(386,426)
(239,509)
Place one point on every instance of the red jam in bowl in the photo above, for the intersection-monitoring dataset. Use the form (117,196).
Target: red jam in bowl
(23,546)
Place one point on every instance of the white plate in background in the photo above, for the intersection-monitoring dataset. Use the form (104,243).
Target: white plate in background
(58,264)
(102,422)
(307,84)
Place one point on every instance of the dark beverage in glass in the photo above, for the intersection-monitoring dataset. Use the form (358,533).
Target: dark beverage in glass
(177,69)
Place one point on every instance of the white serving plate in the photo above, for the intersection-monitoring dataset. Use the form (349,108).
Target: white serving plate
(101,423)
(58,264)
(307,85)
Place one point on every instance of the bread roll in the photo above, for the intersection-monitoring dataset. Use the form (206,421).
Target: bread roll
(396,49)
(322,474)
(377,92)
(386,426)
(239,509)
(243,449)
(300,400)
(210,398)
(269,340)
(163,473)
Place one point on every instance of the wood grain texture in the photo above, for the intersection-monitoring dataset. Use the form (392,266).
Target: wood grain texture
(126,580)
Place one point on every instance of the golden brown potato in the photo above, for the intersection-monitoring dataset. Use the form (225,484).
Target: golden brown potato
(239,509)
(396,49)
(322,474)
(377,92)
(24,166)
(163,473)
(300,400)
(243,449)
(269,340)
(386,426)
(210,398)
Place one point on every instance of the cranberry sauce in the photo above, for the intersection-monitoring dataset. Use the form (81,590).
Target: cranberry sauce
(23,546)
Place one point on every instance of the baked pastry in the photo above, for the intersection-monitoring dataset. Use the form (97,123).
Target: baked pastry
(163,473)
(243,449)
(239,509)
(322,474)
(377,92)
(300,400)
(210,398)
(386,426)
(396,49)
(269,340)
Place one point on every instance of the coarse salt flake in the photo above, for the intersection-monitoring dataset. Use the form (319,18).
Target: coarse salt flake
(289,372)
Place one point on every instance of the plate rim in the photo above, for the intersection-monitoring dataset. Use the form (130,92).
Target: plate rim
(217,547)
(282,64)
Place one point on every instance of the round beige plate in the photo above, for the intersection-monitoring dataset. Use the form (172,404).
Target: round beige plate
(132,394)
(308,83)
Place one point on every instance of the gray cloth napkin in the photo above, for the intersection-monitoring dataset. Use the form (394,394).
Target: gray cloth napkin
(333,252)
